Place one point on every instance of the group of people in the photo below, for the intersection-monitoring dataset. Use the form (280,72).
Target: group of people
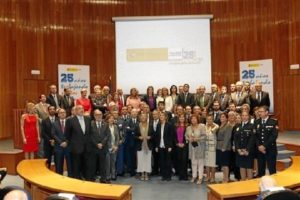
(108,134)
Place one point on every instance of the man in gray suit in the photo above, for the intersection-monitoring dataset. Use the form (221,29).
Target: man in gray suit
(224,98)
(202,99)
(239,97)
(100,139)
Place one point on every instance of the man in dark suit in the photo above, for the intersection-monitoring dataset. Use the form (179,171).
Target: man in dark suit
(47,135)
(100,140)
(202,99)
(68,101)
(53,98)
(154,123)
(216,112)
(224,99)
(161,108)
(121,123)
(259,97)
(61,148)
(266,135)
(130,143)
(185,98)
(179,111)
(214,96)
(78,133)
(164,142)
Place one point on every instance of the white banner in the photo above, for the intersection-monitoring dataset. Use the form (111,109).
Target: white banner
(259,70)
(76,77)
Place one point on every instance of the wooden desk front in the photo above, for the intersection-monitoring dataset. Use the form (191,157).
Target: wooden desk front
(42,182)
(289,178)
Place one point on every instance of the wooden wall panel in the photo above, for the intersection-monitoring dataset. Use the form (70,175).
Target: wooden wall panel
(42,34)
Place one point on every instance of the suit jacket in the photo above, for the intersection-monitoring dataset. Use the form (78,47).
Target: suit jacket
(244,137)
(100,135)
(266,134)
(217,117)
(264,100)
(154,132)
(224,101)
(189,100)
(176,139)
(79,141)
(50,100)
(168,136)
(140,142)
(68,105)
(46,130)
(207,100)
(58,135)
(131,129)
(214,97)
(42,110)
(243,98)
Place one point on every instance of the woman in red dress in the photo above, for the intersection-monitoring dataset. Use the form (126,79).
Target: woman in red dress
(30,131)
(85,102)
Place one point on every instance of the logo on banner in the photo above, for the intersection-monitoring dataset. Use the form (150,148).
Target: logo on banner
(75,77)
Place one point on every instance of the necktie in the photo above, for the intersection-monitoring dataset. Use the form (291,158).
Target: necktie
(69,100)
(185,97)
(56,101)
(243,124)
(52,120)
(238,97)
(155,125)
(259,97)
(121,101)
(62,126)
(263,122)
(202,101)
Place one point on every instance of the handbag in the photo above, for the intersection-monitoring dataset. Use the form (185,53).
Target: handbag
(194,144)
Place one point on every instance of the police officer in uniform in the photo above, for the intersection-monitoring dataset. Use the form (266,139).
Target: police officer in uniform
(266,134)
(244,140)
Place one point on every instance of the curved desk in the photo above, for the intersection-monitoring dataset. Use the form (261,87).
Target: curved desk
(289,178)
(42,182)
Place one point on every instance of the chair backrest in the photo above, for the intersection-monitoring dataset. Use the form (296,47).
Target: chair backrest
(282,195)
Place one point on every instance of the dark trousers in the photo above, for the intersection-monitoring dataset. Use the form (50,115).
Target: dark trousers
(130,156)
(120,159)
(181,161)
(268,158)
(81,165)
(155,166)
(102,164)
(48,152)
(61,155)
(165,163)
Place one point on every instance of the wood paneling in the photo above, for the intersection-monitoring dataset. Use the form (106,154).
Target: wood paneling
(41,34)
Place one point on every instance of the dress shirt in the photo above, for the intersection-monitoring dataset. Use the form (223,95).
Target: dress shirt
(162,143)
